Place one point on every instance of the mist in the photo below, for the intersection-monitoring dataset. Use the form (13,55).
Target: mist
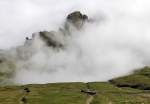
(114,44)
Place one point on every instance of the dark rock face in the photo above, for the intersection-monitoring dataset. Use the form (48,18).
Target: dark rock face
(77,16)
(56,39)
(50,40)
(77,19)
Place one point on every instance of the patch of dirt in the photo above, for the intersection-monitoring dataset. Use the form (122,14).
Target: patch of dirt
(89,99)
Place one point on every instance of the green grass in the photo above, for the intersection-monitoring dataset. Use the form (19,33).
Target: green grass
(110,94)
(57,94)
(140,79)
(69,93)
(63,93)
(131,89)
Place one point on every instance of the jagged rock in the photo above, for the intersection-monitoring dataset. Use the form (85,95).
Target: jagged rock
(75,19)
(50,39)
(56,39)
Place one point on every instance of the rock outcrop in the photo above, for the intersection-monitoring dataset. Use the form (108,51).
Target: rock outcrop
(77,19)
(56,39)
(19,57)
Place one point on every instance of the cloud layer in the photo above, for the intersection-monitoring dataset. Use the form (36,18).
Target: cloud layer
(115,44)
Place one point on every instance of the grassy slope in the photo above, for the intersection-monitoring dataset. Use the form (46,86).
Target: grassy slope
(44,94)
(109,94)
(139,80)
(132,89)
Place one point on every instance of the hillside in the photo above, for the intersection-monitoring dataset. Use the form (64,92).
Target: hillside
(132,89)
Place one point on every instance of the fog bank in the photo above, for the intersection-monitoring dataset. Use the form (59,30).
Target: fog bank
(114,43)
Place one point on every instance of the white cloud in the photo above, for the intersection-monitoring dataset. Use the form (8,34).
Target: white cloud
(115,45)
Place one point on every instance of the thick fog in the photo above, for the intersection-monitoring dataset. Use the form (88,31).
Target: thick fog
(114,43)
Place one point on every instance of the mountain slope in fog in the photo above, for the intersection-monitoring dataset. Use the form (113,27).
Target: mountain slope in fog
(77,52)
(22,57)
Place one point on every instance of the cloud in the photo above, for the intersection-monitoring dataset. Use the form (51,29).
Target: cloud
(115,44)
